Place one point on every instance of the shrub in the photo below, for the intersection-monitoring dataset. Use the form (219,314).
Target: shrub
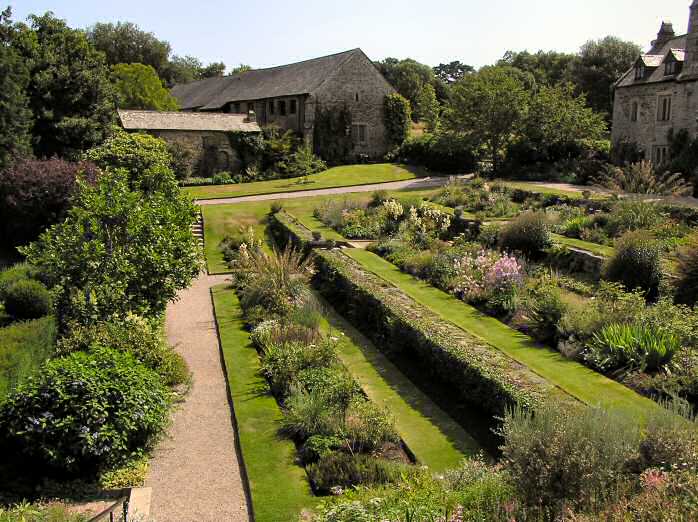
(344,471)
(367,426)
(545,308)
(136,335)
(529,234)
(642,178)
(636,263)
(633,214)
(27,299)
(572,458)
(489,234)
(687,273)
(181,161)
(318,447)
(35,194)
(84,412)
(450,153)
(14,274)
(308,414)
(670,440)
(222,178)
(398,118)
(301,163)
(629,346)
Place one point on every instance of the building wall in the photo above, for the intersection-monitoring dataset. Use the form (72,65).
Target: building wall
(358,77)
(209,151)
(265,116)
(647,131)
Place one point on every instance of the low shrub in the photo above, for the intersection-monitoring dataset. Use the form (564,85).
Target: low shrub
(636,263)
(27,299)
(14,274)
(687,273)
(307,414)
(84,412)
(544,309)
(529,234)
(631,346)
(367,426)
(670,440)
(446,152)
(222,178)
(318,447)
(340,470)
(633,214)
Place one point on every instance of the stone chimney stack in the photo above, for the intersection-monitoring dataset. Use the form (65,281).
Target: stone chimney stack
(690,66)
(666,33)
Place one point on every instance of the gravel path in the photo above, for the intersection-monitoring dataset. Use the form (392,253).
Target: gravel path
(418,183)
(195,472)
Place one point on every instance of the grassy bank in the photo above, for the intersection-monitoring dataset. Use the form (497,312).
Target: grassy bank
(278,487)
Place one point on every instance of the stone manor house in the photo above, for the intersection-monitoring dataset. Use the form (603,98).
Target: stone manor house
(660,92)
(291,96)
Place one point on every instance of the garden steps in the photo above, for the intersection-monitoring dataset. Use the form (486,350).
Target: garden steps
(577,380)
(433,437)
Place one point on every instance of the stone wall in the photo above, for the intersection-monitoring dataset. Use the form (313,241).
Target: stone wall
(209,151)
(360,87)
(647,131)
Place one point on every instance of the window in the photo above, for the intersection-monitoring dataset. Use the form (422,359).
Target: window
(271,107)
(236,108)
(282,107)
(357,97)
(358,133)
(634,111)
(664,108)
(640,72)
(661,155)
(293,107)
(672,67)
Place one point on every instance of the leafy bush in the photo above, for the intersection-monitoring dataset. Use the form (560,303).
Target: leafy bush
(628,346)
(27,299)
(449,153)
(181,161)
(14,274)
(301,163)
(636,263)
(136,335)
(53,512)
(222,178)
(367,426)
(308,414)
(319,446)
(35,194)
(283,362)
(642,178)
(687,273)
(398,118)
(633,214)
(545,308)
(344,471)
(529,234)
(84,412)
(670,439)
(559,457)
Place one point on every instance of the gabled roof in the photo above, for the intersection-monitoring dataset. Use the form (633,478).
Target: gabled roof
(186,121)
(675,46)
(285,80)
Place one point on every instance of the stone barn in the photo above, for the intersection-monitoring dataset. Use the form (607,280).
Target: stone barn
(294,97)
(203,136)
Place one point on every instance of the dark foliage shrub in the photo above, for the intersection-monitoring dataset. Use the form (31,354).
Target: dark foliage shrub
(222,178)
(27,299)
(84,412)
(181,163)
(398,118)
(14,274)
(683,151)
(560,457)
(444,152)
(35,194)
(626,152)
(529,234)
(687,272)
(343,470)
(276,206)
(636,263)
(318,447)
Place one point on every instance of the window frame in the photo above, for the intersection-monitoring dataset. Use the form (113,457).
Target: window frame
(357,129)
(282,107)
(640,72)
(293,106)
(664,107)
(634,111)
(272,108)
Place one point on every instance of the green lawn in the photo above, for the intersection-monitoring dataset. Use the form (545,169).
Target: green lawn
(594,248)
(533,186)
(576,379)
(346,176)
(279,487)
(433,436)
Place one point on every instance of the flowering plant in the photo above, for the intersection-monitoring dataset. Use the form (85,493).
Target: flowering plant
(481,274)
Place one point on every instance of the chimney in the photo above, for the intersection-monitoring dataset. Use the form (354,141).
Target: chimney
(690,64)
(666,33)
(251,117)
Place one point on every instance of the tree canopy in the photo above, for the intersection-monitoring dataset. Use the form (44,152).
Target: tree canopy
(452,72)
(139,87)
(125,42)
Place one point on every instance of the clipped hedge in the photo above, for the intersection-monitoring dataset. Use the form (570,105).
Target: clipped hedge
(476,372)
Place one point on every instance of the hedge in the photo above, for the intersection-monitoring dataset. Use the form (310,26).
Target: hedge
(474,371)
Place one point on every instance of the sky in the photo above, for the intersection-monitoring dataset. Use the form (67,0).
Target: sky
(265,33)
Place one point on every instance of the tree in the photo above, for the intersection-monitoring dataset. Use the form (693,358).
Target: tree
(15,116)
(599,64)
(398,116)
(241,68)
(491,106)
(452,72)
(125,42)
(69,92)
(409,77)
(186,69)
(547,67)
(428,107)
(138,87)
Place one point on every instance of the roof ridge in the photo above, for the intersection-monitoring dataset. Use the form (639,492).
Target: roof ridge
(233,75)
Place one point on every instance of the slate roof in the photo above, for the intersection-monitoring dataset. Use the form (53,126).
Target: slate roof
(186,121)
(675,46)
(285,80)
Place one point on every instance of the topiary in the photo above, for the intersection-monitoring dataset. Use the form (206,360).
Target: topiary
(84,412)
(529,234)
(636,263)
(687,272)
(27,299)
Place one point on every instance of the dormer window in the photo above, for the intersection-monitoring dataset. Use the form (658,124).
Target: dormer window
(672,67)
(640,71)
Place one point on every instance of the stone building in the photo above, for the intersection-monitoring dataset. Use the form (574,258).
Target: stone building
(204,137)
(292,96)
(660,92)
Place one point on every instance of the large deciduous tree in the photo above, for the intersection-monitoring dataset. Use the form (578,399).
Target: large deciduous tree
(398,117)
(125,42)
(409,77)
(15,116)
(139,87)
(185,69)
(70,95)
(547,67)
(452,72)
(490,105)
